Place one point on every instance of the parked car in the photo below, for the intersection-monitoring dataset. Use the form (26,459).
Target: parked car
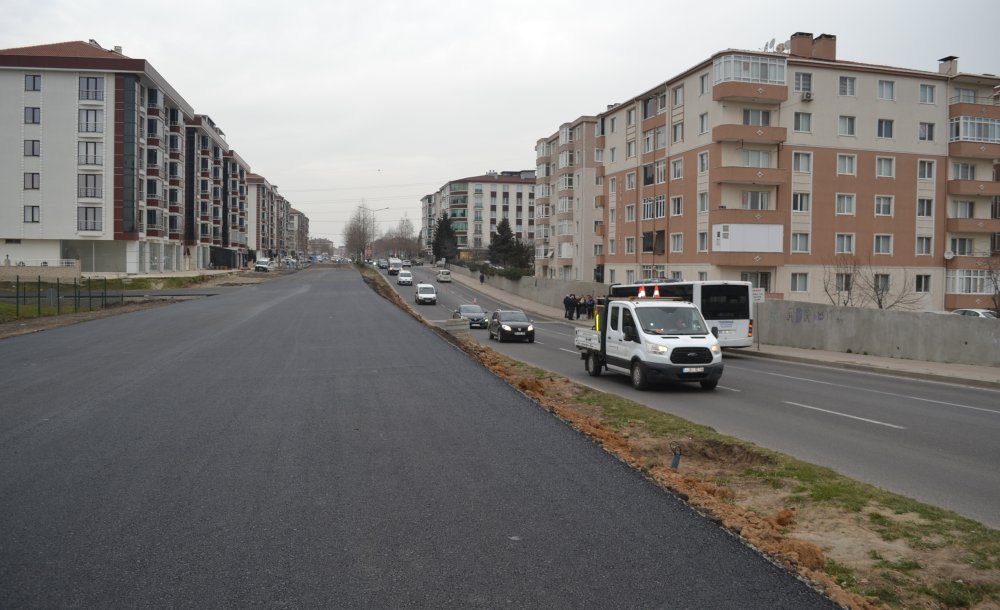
(425,293)
(404,278)
(263,264)
(476,315)
(444,275)
(511,324)
(975,313)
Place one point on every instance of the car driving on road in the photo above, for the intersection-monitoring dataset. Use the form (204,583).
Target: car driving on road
(444,275)
(263,264)
(425,293)
(404,278)
(511,324)
(475,314)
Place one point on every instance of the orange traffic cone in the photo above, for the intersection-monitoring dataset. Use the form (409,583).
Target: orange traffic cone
(642,292)
(656,291)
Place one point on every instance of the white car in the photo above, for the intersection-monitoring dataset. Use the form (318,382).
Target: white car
(404,278)
(425,293)
(263,264)
(444,275)
(975,313)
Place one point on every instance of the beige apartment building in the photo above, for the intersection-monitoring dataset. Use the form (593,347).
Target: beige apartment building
(268,209)
(817,179)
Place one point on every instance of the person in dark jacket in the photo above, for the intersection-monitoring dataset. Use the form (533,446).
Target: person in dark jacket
(591,305)
(569,302)
(581,307)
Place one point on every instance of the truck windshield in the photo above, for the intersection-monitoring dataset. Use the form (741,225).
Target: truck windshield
(671,321)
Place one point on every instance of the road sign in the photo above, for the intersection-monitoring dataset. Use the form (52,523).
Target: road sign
(758,295)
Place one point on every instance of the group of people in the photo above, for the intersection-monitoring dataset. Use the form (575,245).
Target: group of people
(579,307)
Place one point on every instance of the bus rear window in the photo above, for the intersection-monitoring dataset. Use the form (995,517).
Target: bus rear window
(724,302)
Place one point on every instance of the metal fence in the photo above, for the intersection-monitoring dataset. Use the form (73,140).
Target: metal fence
(34,297)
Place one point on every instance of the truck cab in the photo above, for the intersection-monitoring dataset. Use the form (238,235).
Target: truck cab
(395,266)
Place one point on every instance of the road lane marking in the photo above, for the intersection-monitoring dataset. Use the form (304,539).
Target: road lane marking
(722,387)
(572,351)
(870,421)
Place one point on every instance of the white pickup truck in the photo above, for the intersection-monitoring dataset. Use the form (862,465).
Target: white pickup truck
(652,340)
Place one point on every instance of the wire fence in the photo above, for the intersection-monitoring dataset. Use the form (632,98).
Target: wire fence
(35,297)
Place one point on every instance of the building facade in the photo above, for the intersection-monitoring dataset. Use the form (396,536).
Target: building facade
(817,179)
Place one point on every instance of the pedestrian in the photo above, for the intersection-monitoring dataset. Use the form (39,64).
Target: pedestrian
(581,307)
(591,304)
(569,302)
(482,277)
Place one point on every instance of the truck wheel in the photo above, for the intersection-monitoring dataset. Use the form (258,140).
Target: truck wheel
(709,384)
(639,380)
(593,365)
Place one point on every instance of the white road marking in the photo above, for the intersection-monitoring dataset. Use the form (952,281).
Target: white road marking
(572,351)
(871,421)
(722,387)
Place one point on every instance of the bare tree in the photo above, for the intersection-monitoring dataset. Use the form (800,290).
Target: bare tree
(992,265)
(852,283)
(359,233)
(839,282)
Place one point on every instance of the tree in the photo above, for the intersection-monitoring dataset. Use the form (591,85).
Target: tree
(507,250)
(445,242)
(850,283)
(359,233)
(400,241)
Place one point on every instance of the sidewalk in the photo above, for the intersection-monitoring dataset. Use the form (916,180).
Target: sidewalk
(966,374)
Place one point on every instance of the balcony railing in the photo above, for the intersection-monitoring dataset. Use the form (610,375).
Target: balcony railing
(91,94)
(90,225)
(91,159)
(91,127)
(90,191)
(978,99)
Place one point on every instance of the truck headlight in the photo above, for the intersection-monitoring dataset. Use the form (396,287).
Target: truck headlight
(716,349)
(657,350)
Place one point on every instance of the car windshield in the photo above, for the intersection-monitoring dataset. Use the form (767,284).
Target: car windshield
(513,316)
(671,321)
(470,309)
(426,290)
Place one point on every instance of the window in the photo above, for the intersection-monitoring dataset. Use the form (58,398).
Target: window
(676,206)
(630,213)
(803,121)
(966,96)
(32,116)
(89,185)
(676,242)
(884,128)
(963,171)
(925,170)
(648,141)
(32,148)
(963,209)
(926,94)
(661,137)
(750,69)
(843,282)
(703,122)
(630,181)
(613,184)
(703,84)
(882,282)
(703,241)
(883,205)
(648,175)
(800,282)
(800,242)
(802,162)
(703,201)
(677,132)
(678,96)
(89,219)
(962,246)
(32,82)
(32,181)
(885,167)
(629,245)
(702,162)
(924,245)
(630,149)
(611,247)
(847,86)
(926,132)
(630,117)
(883,244)
(845,165)
(756,158)
(844,243)
(32,213)
(649,108)
(613,154)
(756,200)
(756,117)
(676,169)
(845,126)
(661,171)
(886,90)
(925,208)
(598,155)
(90,153)
(922,283)
(801,201)
(92,88)
(91,121)
(803,81)
(845,204)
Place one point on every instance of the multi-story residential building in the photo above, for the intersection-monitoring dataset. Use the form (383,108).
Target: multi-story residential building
(475,206)
(806,175)
(268,211)
(298,234)
(430,211)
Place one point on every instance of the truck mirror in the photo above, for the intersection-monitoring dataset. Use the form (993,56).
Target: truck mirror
(715,331)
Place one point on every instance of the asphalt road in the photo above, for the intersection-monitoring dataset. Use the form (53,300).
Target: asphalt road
(305,443)
(931,441)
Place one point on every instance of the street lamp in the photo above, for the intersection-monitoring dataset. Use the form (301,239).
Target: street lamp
(369,242)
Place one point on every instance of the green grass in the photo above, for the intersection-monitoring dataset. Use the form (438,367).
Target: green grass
(958,594)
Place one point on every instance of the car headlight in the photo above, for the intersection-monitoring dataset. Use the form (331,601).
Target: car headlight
(531,327)
(716,349)
(657,349)
(506,327)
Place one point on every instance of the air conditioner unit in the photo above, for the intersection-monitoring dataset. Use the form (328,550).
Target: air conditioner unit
(807,96)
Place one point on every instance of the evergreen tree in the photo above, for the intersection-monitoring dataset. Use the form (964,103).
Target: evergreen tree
(502,244)
(445,243)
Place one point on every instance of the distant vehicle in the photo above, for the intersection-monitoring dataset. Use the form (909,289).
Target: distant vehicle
(425,293)
(383,264)
(404,278)
(263,264)
(975,313)
(395,265)
(475,314)
(406,263)
(444,275)
(511,324)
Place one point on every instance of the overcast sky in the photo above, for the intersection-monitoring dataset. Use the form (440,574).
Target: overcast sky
(383,102)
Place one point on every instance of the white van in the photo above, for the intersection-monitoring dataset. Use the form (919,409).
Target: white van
(395,265)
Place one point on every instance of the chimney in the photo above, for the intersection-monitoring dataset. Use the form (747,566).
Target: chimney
(118,50)
(824,46)
(801,44)
(948,66)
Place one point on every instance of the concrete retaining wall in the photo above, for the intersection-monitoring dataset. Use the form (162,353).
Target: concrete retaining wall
(48,273)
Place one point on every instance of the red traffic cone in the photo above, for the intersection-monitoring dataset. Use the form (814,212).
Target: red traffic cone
(642,292)
(656,291)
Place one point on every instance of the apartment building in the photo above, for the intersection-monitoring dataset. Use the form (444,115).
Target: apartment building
(110,166)
(267,211)
(476,204)
(817,179)
(297,242)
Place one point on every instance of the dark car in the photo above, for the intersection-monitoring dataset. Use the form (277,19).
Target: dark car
(474,314)
(511,324)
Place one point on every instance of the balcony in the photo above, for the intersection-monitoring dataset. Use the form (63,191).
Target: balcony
(974,150)
(973,225)
(744,259)
(758,93)
(90,159)
(973,188)
(96,127)
(980,107)
(750,175)
(90,225)
(738,216)
(92,95)
(753,134)
(90,192)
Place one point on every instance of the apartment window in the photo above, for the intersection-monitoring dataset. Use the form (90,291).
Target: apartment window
(676,206)
(599,155)
(703,84)
(756,200)
(648,175)
(963,209)
(32,116)
(756,117)
(89,185)
(803,121)
(678,94)
(802,162)
(845,126)
(32,213)
(800,282)
(801,202)
(844,243)
(924,245)
(846,165)
(887,90)
(883,205)
(613,156)
(882,282)
(32,181)
(925,170)
(845,204)
(32,148)
(962,246)
(702,201)
(91,121)
(648,141)
(89,153)
(803,81)
(676,169)
(611,249)
(630,149)
(847,86)
(884,128)
(922,283)
(843,281)
(925,208)
(649,107)
(630,181)
(630,117)
(703,122)
(660,168)
(89,219)
(702,162)
(629,245)
(677,132)
(883,244)
(800,242)
(926,94)
(926,132)
(32,82)
(676,242)
(630,213)
(756,158)
(661,137)
(613,184)
(614,122)
(91,87)
(703,241)
(885,167)
(963,171)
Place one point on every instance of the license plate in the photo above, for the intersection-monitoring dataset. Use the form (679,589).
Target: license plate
(518,332)
(693,369)
(726,332)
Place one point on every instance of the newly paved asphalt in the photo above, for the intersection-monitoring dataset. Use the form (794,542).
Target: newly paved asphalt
(304,443)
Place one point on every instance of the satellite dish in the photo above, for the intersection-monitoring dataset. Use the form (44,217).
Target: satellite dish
(771,44)
(948,255)
(780,48)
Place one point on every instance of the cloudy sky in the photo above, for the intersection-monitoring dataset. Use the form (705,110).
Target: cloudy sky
(378,102)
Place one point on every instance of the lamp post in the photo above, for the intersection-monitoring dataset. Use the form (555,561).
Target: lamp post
(369,242)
